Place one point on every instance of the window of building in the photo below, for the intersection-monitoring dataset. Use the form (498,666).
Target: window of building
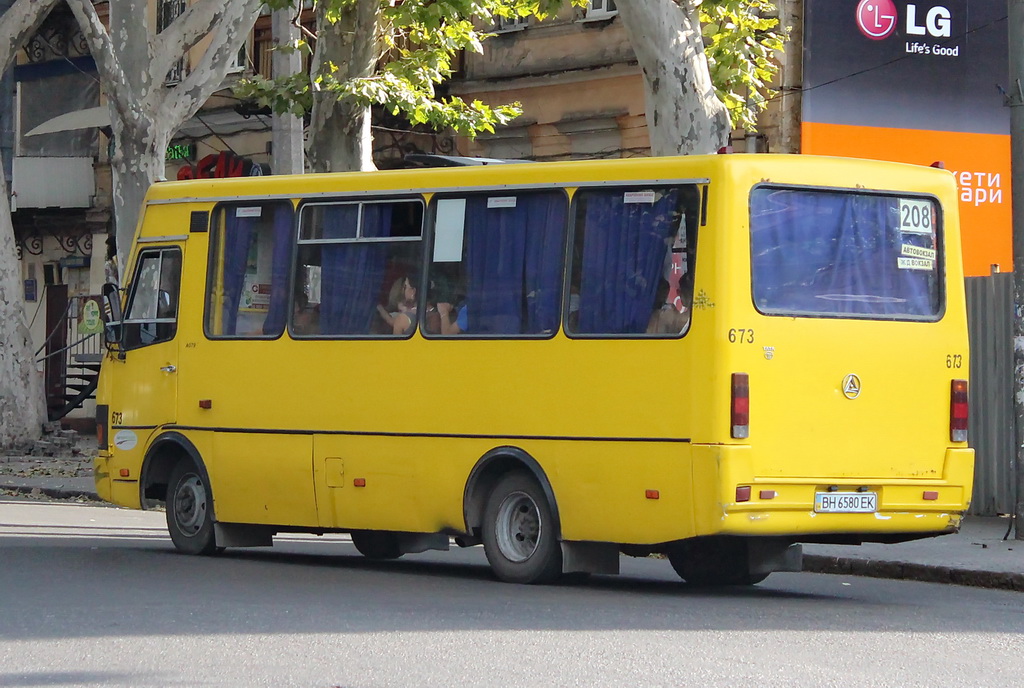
(358,269)
(152,313)
(633,261)
(496,267)
(600,9)
(167,12)
(241,61)
(247,290)
(509,24)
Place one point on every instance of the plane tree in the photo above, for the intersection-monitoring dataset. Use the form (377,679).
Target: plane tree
(22,408)
(145,110)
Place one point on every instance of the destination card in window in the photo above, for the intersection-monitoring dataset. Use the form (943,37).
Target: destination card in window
(501,202)
(640,197)
(916,264)
(916,216)
(918,252)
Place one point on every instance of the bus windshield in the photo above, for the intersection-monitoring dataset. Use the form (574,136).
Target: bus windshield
(829,253)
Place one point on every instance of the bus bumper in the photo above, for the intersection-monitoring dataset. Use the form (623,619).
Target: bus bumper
(774,506)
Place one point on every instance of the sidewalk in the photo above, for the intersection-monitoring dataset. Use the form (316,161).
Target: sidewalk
(976,556)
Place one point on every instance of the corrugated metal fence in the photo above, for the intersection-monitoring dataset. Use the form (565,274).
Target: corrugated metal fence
(991,430)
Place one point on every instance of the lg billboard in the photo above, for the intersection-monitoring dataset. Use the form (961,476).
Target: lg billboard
(918,82)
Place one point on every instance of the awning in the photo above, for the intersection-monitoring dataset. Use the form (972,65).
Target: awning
(89,118)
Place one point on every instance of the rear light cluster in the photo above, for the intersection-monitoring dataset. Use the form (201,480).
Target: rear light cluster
(102,420)
(740,406)
(958,411)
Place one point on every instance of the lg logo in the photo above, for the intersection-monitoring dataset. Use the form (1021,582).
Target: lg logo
(937,22)
(876,19)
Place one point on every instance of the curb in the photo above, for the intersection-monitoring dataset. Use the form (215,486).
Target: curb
(872,568)
(55,492)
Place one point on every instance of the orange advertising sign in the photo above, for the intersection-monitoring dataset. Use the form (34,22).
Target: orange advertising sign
(980,163)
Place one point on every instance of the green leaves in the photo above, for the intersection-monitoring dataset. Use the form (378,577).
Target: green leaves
(418,42)
(419,39)
(740,38)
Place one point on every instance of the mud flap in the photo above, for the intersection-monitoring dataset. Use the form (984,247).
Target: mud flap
(590,557)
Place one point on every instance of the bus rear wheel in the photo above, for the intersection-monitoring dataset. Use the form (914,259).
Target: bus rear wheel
(190,511)
(713,562)
(376,544)
(518,532)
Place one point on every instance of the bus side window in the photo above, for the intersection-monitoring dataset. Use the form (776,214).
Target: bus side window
(633,261)
(152,313)
(497,264)
(247,293)
(358,268)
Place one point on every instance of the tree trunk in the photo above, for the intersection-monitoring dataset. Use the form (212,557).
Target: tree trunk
(137,162)
(22,407)
(684,114)
(339,130)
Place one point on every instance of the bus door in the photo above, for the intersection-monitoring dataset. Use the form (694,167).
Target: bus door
(147,379)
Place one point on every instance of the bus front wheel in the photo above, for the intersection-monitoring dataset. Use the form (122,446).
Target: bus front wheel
(190,511)
(518,532)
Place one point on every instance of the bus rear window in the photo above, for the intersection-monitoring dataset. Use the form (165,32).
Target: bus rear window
(845,254)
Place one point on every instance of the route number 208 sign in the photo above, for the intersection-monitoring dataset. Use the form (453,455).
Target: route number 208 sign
(916,216)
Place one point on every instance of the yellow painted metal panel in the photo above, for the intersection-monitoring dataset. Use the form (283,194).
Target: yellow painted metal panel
(262,478)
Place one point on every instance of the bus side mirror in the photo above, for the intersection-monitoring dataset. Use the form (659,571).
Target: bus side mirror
(112,328)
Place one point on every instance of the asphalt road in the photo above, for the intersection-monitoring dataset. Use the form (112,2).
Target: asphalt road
(96,596)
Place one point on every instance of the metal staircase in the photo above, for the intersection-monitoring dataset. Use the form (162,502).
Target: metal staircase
(71,362)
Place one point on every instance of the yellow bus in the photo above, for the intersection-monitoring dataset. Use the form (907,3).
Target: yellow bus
(715,358)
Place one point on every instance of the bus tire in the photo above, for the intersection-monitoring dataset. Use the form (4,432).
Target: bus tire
(190,510)
(713,562)
(376,544)
(518,532)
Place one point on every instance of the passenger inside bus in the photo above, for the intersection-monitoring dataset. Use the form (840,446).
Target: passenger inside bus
(306,318)
(400,312)
(452,324)
(666,318)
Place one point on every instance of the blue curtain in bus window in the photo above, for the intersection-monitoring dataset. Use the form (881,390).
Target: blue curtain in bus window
(277,312)
(545,247)
(352,272)
(624,249)
(513,256)
(238,236)
(837,253)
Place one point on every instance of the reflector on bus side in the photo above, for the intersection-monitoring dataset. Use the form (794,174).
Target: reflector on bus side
(740,406)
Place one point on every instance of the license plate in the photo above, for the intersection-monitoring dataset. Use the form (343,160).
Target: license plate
(845,502)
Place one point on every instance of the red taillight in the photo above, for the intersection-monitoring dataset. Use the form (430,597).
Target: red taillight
(958,408)
(102,418)
(740,406)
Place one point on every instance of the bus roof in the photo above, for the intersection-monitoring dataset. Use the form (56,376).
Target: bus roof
(812,170)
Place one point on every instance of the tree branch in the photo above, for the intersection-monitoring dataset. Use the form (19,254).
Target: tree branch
(18,22)
(233,24)
(183,34)
(115,84)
